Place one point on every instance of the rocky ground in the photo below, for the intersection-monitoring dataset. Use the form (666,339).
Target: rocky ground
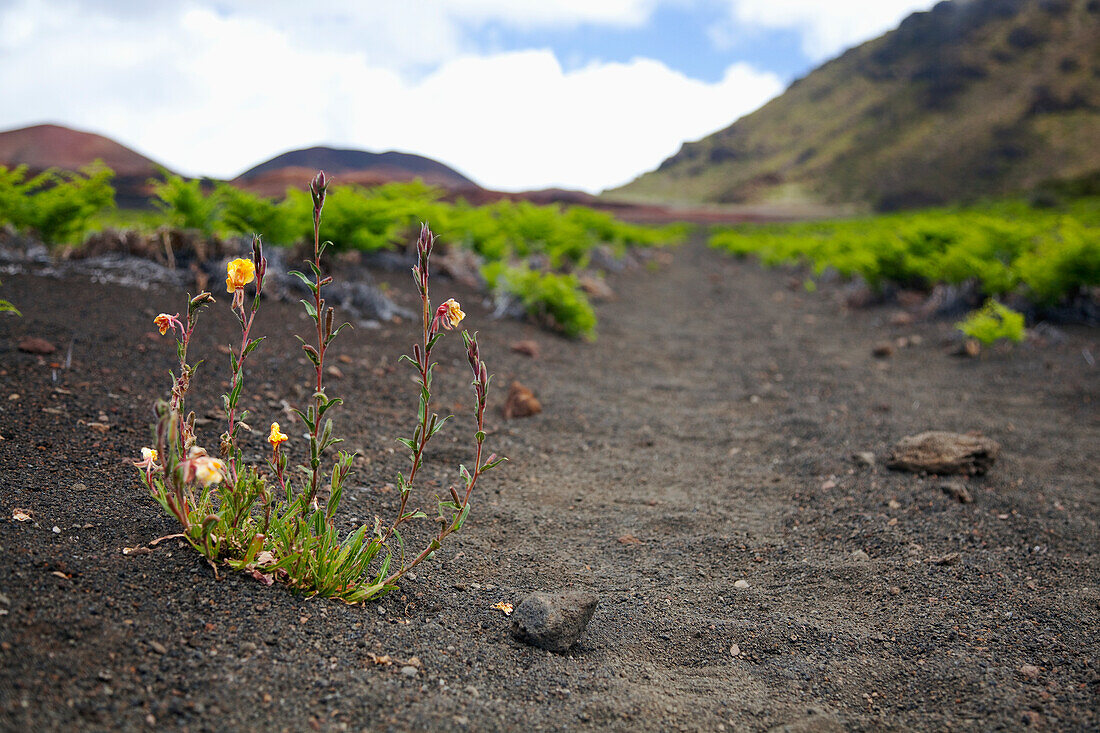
(693,468)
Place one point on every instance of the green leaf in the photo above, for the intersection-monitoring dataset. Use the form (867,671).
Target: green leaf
(306,280)
(493,464)
(462,517)
(252,346)
(310,309)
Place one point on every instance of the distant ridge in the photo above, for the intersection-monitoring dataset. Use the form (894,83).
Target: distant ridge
(353,166)
(40,147)
(972,98)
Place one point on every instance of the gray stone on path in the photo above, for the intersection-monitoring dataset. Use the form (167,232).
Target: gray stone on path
(553,621)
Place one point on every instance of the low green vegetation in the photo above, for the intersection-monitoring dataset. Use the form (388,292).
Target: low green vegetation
(993,322)
(58,207)
(546,296)
(1047,255)
(528,250)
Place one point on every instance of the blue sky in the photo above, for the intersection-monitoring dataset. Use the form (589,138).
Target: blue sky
(517,94)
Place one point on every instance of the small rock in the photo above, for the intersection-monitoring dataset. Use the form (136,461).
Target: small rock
(951,558)
(742,584)
(1030,671)
(1031,718)
(735,651)
(56,529)
(409,671)
(939,452)
(596,287)
(969,348)
(527,347)
(895,591)
(158,647)
(335,372)
(553,621)
(472,691)
(860,555)
(957,490)
(901,319)
(863,459)
(816,721)
(521,402)
(882,351)
(36,345)
(78,487)
(629,539)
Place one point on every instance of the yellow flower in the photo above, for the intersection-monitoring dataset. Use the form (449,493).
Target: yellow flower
(208,470)
(164,322)
(276,438)
(239,273)
(149,454)
(451,313)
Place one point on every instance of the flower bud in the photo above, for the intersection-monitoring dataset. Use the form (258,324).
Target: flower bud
(318,188)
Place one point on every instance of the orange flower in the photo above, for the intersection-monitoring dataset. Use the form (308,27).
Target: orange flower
(164,322)
(276,438)
(451,314)
(239,273)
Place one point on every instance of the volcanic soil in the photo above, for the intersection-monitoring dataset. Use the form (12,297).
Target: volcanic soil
(704,439)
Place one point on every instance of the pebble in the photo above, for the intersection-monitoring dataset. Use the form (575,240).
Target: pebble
(553,621)
(1030,671)
(36,345)
(409,671)
(735,651)
(865,459)
(742,584)
(158,647)
(860,555)
(56,529)
(79,487)
(957,490)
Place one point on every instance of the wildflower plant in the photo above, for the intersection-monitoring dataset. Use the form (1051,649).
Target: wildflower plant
(270,520)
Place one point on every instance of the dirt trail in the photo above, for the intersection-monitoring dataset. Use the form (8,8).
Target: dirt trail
(702,440)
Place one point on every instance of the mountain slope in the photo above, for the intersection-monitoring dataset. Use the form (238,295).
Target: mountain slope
(973,98)
(52,146)
(351,166)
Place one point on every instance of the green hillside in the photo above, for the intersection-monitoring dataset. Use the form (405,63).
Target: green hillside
(973,98)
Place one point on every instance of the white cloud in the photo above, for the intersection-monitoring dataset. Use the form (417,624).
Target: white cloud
(213,94)
(826,28)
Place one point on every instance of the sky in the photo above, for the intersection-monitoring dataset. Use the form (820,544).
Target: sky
(516,94)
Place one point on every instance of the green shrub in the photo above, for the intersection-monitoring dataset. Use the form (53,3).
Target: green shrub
(58,206)
(558,298)
(1002,247)
(241,212)
(185,205)
(993,322)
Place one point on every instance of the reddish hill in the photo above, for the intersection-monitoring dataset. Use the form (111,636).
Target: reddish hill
(348,166)
(53,146)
